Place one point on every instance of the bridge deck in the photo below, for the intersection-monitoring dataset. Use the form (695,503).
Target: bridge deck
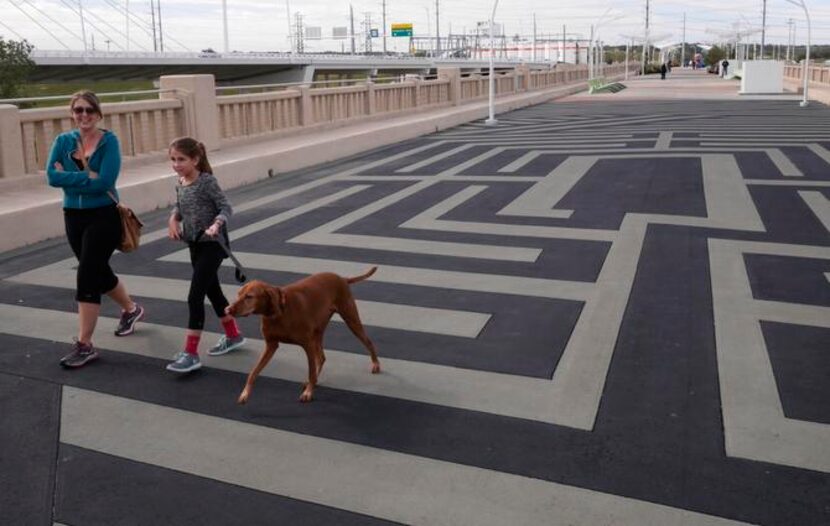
(612,313)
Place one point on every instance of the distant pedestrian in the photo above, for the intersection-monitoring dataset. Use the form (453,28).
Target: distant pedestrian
(663,70)
(724,66)
(200,218)
(85,162)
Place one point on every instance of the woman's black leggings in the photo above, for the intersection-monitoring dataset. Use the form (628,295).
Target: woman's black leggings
(93,234)
(206,258)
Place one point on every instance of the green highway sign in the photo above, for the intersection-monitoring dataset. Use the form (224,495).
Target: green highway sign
(401,30)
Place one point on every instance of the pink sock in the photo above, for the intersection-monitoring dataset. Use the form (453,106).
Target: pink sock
(191,345)
(231,328)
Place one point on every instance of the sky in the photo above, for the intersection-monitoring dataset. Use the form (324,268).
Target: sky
(260,25)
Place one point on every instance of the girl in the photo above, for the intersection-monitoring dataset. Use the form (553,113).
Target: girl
(85,162)
(199,217)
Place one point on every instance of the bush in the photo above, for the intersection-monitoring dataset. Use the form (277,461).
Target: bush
(15,66)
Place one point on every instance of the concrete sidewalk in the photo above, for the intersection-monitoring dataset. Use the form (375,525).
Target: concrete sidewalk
(147,184)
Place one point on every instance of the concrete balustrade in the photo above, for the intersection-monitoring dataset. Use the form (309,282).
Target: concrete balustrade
(142,127)
(188,105)
(258,113)
(819,75)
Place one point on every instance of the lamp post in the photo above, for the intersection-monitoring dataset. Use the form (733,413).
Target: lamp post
(806,69)
(491,121)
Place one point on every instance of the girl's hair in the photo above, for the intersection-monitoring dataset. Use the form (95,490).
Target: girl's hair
(193,149)
(88,97)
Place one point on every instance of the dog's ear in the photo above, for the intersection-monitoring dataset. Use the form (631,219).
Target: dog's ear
(282,296)
(274,301)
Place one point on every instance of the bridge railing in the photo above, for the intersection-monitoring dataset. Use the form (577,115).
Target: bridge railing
(819,75)
(142,127)
(189,105)
(258,113)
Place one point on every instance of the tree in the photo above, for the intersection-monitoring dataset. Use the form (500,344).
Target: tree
(715,55)
(15,66)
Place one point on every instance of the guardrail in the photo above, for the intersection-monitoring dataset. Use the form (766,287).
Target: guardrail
(141,126)
(189,105)
(817,74)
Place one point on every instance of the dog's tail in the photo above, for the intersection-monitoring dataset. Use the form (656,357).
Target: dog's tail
(362,276)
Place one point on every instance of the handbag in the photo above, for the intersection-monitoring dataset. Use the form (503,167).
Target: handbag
(131,226)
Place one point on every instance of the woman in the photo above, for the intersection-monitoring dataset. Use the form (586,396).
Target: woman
(85,163)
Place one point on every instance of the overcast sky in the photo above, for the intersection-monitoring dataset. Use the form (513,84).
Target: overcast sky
(259,25)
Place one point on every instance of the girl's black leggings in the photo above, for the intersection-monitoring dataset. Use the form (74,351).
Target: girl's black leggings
(206,258)
(93,234)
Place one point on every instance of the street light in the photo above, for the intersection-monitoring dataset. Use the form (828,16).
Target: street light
(805,74)
(492,120)
(592,62)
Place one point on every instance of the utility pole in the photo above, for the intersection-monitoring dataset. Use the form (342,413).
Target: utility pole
(161,32)
(437,31)
(225,24)
(298,32)
(288,19)
(127,21)
(83,28)
(534,37)
(645,41)
(564,44)
(683,47)
(367,24)
(763,29)
(384,27)
(153,17)
(789,37)
(351,18)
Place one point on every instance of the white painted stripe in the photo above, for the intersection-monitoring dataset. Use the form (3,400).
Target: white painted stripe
(821,151)
(428,220)
(416,246)
(378,314)
(756,143)
(424,277)
(435,158)
(664,139)
(754,135)
(468,389)
(296,211)
(539,200)
(520,162)
(791,313)
(783,163)
(753,419)
(362,479)
(728,202)
(579,378)
(819,204)
(779,182)
(460,167)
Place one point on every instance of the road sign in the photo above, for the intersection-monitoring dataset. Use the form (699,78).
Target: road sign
(401,30)
(373,33)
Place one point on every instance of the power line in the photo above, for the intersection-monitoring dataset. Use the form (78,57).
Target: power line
(30,17)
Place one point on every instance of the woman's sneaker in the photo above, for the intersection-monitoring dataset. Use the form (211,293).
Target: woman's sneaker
(185,362)
(82,353)
(126,325)
(226,345)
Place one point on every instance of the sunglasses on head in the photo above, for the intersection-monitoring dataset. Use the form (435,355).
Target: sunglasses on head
(77,110)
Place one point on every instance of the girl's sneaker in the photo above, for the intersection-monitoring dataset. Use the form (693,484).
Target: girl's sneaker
(185,363)
(226,345)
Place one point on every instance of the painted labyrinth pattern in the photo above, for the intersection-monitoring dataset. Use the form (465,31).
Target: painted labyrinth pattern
(614,314)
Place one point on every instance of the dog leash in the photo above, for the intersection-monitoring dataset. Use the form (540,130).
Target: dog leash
(239,271)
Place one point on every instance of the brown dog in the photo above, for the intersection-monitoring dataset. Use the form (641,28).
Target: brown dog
(299,313)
